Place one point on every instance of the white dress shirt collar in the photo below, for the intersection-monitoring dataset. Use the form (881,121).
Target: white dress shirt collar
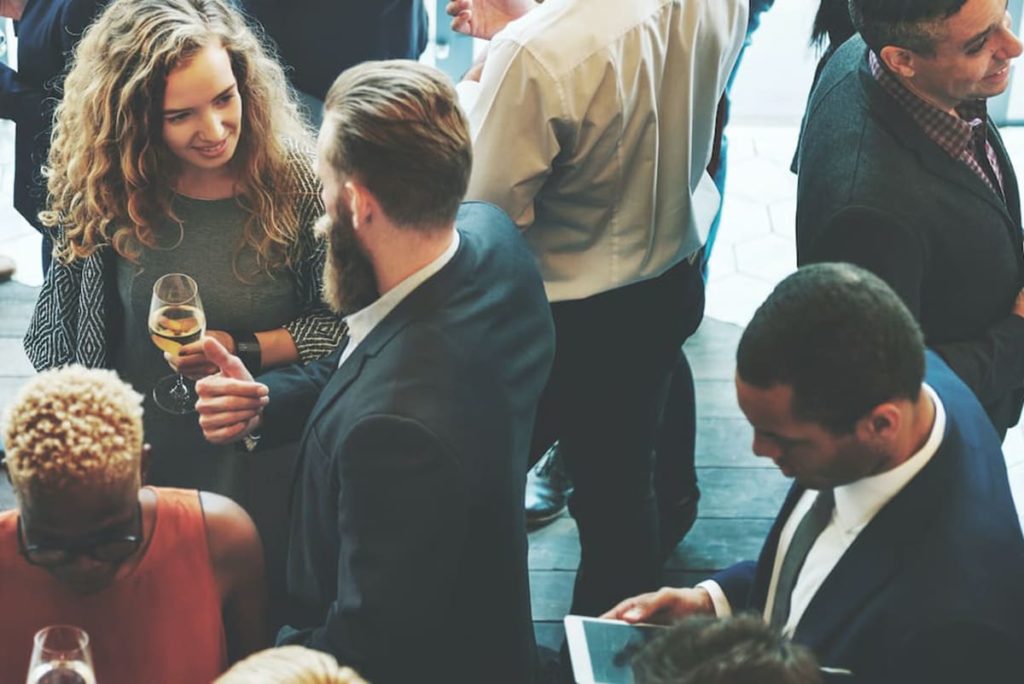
(361,323)
(858,502)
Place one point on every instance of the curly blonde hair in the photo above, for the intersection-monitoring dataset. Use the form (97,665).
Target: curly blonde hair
(110,177)
(73,425)
(290,665)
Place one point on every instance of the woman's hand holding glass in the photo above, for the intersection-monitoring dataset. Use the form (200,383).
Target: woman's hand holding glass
(192,361)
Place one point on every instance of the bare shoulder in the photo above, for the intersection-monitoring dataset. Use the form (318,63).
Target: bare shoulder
(230,533)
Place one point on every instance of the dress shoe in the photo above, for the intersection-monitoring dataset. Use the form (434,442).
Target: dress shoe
(547,489)
(6,268)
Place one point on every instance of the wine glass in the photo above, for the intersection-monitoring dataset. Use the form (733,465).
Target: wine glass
(61,655)
(176,318)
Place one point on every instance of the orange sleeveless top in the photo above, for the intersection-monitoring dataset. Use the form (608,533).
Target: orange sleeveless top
(160,623)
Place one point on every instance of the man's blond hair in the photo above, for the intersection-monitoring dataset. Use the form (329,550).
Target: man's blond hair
(290,665)
(73,425)
(397,127)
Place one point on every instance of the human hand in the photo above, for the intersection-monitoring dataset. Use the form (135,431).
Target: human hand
(484,18)
(12,8)
(663,607)
(230,401)
(1018,304)
(191,360)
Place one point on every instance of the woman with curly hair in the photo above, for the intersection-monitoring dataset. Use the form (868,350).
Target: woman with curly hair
(178,148)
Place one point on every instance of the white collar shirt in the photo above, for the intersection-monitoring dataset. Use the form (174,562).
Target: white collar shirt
(592,128)
(856,504)
(361,323)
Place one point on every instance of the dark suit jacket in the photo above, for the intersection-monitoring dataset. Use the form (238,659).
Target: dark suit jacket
(876,191)
(931,590)
(47,33)
(408,549)
(319,39)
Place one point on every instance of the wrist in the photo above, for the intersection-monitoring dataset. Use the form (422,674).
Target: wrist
(247,349)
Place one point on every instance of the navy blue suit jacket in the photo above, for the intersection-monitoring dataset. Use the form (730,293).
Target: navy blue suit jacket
(932,590)
(47,34)
(319,39)
(407,556)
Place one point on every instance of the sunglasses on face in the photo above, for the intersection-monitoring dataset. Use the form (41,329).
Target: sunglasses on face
(106,546)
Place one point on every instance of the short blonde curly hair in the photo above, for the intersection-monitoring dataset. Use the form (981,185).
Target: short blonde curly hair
(73,425)
(290,665)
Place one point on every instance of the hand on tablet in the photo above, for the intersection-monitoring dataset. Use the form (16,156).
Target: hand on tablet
(663,607)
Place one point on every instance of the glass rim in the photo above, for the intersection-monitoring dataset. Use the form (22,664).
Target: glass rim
(81,635)
(189,281)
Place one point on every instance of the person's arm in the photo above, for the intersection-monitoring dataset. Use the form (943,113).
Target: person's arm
(237,557)
(12,9)
(517,101)
(485,18)
(316,331)
(232,405)
(402,521)
(992,364)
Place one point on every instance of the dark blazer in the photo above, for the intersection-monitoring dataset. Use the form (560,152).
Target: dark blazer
(47,33)
(408,544)
(319,39)
(876,191)
(931,590)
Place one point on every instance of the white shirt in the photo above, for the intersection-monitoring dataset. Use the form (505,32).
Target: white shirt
(856,505)
(592,126)
(362,322)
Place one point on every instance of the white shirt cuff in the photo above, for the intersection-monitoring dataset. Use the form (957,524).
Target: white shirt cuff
(723,608)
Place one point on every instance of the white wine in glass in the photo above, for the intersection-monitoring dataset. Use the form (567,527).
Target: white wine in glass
(176,318)
(61,655)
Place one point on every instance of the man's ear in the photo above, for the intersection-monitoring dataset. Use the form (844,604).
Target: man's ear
(361,203)
(882,424)
(900,61)
(3,465)
(144,462)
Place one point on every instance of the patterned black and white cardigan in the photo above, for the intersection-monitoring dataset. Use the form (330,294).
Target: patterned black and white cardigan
(78,312)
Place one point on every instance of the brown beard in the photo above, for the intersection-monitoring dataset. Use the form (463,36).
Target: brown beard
(349,283)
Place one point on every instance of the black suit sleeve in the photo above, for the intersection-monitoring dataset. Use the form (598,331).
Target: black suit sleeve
(992,365)
(402,519)
(294,391)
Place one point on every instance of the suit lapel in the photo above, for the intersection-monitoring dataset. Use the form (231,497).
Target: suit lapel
(425,299)
(876,555)
(936,161)
(766,561)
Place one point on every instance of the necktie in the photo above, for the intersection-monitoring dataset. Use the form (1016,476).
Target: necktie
(812,524)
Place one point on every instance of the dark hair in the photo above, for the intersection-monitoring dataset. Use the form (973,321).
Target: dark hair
(739,650)
(909,24)
(841,338)
(397,127)
(833,21)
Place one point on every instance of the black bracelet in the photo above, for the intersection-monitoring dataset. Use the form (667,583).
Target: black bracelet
(247,348)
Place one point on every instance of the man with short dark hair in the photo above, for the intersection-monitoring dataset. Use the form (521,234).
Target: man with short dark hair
(902,172)
(408,500)
(706,650)
(897,555)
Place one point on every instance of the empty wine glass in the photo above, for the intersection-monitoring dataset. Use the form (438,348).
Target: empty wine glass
(176,318)
(61,655)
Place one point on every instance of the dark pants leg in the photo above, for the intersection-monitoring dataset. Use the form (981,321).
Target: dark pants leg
(614,360)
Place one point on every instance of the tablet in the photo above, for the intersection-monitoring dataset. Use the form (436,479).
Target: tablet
(601,650)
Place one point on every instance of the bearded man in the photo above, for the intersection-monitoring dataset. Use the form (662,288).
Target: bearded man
(408,501)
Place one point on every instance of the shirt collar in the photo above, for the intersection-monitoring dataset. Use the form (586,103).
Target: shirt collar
(952,133)
(362,322)
(858,502)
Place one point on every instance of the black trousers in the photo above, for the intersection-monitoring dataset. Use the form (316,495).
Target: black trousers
(614,359)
